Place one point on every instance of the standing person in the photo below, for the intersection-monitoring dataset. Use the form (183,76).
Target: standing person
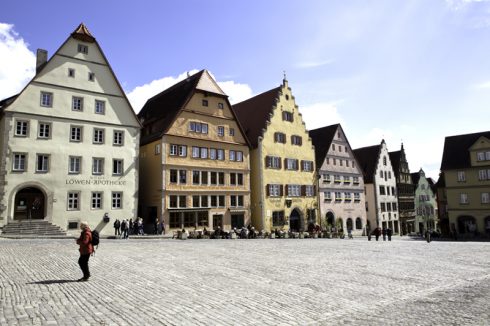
(140,226)
(155,226)
(124,229)
(86,249)
(117,227)
(377,233)
(389,232)
(384,234)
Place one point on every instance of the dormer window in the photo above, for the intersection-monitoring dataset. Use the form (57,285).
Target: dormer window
(221,106)
(82,48)
(71,72)
(205,103)
(91,76)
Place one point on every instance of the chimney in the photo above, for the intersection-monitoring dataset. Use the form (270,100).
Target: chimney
(41,59)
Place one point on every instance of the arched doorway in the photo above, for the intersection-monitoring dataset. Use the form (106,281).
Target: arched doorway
(349,224)
(358,223)
(29,204)
(330,218)
(295,220)
(466,225)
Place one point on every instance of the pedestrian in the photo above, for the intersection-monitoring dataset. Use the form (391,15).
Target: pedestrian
(140,226)
(86,249)
(389,233)
(124,229)
(427,236)
(155,226)
(384,234)
(117,227)
(162,223)
(377,233)
(369,235)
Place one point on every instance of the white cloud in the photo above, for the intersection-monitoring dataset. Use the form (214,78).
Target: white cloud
(461,4)
(321,114)
(17,62)
(484,85)
(313,64)
(139,95)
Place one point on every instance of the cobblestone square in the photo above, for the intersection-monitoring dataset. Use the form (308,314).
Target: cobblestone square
(246,282)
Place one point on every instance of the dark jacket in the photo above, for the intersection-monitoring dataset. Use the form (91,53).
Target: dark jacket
(85,242)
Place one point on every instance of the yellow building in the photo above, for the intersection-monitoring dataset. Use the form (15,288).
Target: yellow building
(282,161)
(194,159)
(465,168)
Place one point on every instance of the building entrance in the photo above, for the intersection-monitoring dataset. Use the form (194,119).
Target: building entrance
(29,204)
(295,220)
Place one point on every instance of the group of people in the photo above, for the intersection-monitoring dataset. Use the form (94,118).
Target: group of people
(122,229)
(377,232)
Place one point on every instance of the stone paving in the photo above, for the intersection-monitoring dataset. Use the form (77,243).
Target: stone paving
(246,282)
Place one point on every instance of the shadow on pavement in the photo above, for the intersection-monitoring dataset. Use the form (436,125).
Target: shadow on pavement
(47,282)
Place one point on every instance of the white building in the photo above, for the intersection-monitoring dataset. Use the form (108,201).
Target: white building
(380,187)
(340,183)
(70,142)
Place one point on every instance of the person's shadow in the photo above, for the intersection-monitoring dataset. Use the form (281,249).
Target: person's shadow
(48,282)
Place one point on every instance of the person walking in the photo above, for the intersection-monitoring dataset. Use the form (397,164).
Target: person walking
(86,249)
(124,229)
(377,233)
(384,234)
(389,232)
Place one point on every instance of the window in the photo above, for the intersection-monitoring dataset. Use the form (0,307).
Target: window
(278,218)
(383,207)
(232,131)
(307,166)
(463,198)
(236,179)
(198,127)
(480,156)
(340,160)
(83,48)
(333,147)
(183,150)
(296,140)
(393,191)
(485,197)
(334,161)
(232,155)
(388,191)
(212,153)
(340,148)
(393,205)
(76,134)
(326,178)
(287,116)
(309,191)
(157,149)
(91,76)
(71,72)
(355,180)
(44,130)
(204,178)
(347,196)
(205,103)
(291,164)
(482,175)
(236,201)
(73,201)
(117,167)
(173,176)
(97,166)
(173,150)
(381,174)
(338,196)
(239,156)
(182,176)
(384,160)
(274,190)
(19,162)
(75,164)
(99,107)
(388,207)
(196,177)
(346,179)
(77,103)
(273,162)
(42,163)
(204,201)
(203,152)
(382,190)
(461,176)
(279,137)
(195,152)
(389,174)
(336,178)
(221,106)
(221,154)
(117,200)
(98,136)
(221,131)
(294,190)
(96,200)
(21,128)
(46,99)
(118,138)
(357,196)
(327,196)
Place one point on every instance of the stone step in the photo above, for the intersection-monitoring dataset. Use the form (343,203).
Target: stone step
(38,228)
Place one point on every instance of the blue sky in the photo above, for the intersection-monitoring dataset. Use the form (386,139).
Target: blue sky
(412,71)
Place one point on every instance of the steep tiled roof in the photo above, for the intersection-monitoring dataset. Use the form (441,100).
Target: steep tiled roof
(432,185)
(395,158)
(6,102)
(253,113)
(82,33)
(415,178)
(161,110)
(455,154)
(322,139)
(367,157)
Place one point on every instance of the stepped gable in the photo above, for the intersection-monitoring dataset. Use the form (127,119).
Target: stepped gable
(455,154)
(253,114)
(367,157)
(322,139)
(162,109)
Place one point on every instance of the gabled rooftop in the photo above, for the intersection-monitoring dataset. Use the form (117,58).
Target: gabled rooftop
(367,157)
(456,150)
(322,140)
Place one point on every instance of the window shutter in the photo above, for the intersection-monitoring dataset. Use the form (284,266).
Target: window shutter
(267,190)
(303,190)
(266,161)
(314,190)
(286,163)
(302,165)
(281,190)
(286,188)
(280,165)
(300,141)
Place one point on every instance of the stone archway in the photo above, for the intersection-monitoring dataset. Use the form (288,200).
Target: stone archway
(330,218)
(350,224)
(29,203)
(295,220)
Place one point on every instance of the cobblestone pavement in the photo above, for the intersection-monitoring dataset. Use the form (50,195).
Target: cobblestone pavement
(246,282)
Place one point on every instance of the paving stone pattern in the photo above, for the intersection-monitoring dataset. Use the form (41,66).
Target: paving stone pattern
(246,282)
